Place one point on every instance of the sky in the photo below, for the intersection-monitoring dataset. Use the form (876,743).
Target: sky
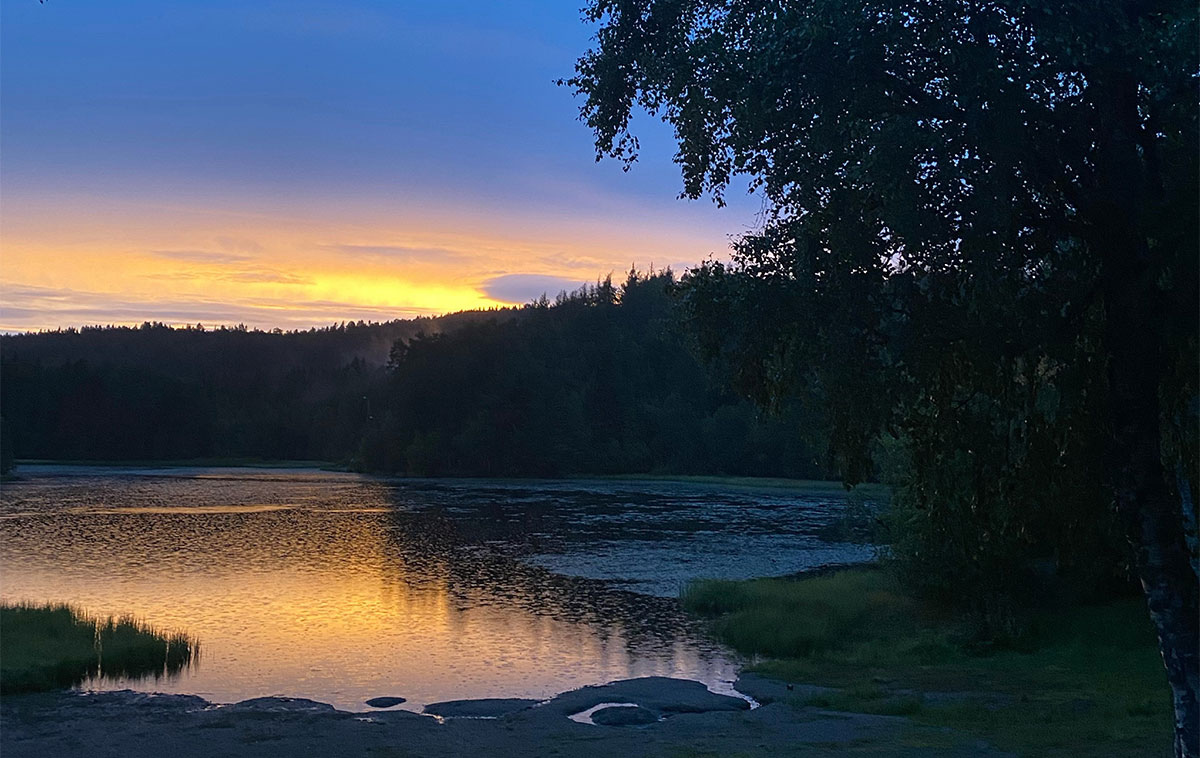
(297,164)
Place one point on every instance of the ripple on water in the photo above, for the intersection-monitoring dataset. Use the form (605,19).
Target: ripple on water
(339,587)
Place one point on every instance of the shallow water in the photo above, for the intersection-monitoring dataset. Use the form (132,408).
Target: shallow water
(340,587)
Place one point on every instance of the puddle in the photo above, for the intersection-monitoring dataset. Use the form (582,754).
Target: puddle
(585,717)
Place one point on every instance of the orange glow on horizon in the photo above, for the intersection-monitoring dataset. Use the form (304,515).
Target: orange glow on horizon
(124,263)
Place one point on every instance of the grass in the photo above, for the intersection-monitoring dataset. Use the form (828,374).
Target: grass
(1085,681)
(44,647)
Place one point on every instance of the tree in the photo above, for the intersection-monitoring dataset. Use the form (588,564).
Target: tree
(979,212)
(600,382)
(6,453)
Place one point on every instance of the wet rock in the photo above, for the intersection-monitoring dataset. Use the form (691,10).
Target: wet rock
(624,716)
(384,702)
(143,700)
(395,717)
(481,708)
(656,693)
(66,724)
(281,705)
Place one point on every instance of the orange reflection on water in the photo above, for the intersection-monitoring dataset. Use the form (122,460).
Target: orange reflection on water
(329,591)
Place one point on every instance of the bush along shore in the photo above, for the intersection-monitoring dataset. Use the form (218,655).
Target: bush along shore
(50,646)
(1083,680)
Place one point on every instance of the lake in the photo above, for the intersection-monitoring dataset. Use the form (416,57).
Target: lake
(341,587)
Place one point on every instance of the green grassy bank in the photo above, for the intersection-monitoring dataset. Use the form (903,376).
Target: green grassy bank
(1082,681)
(44,647)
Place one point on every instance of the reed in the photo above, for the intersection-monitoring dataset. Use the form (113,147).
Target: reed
(54,645)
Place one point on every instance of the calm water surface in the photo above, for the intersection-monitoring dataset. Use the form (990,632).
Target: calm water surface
(340,587)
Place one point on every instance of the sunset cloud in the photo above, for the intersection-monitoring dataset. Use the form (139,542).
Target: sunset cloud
(200,256)
(402,253)
(523,288)
(28,308)
(424,165)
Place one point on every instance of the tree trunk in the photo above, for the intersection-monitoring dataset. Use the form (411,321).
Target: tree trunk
(1135,342)
(1155,525)
(1152,518)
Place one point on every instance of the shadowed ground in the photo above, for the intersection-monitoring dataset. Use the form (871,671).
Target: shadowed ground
(693,722)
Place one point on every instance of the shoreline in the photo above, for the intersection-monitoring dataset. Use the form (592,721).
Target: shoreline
(651,716)
(742,483)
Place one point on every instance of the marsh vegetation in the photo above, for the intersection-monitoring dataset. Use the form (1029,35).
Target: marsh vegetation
(44,647)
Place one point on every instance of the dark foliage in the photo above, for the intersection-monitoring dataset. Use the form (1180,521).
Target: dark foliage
(598,382)
(6,452)
(157,393)
(980,237)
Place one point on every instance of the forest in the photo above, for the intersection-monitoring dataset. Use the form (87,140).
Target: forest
(598,381)
(980,226)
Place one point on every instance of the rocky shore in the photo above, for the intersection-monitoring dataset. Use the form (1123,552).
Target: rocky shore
(653,716)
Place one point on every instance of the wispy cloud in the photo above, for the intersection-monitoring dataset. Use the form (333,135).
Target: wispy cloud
(201,256)
(30,308)
(522,288)
(239,245)
(402,253)
(264,276)
(254,276)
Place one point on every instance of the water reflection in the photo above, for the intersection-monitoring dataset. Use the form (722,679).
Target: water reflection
(341,588)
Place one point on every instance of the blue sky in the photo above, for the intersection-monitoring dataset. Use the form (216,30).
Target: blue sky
(309,137)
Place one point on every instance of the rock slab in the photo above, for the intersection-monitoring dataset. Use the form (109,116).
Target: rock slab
(482,708)
(624,716)
(655,693)
(280,705)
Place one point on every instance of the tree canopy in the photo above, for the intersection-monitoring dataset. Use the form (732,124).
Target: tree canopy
(980,240)
(600,381)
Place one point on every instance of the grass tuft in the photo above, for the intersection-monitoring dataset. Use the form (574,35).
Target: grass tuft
(50,646)
(801,618)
